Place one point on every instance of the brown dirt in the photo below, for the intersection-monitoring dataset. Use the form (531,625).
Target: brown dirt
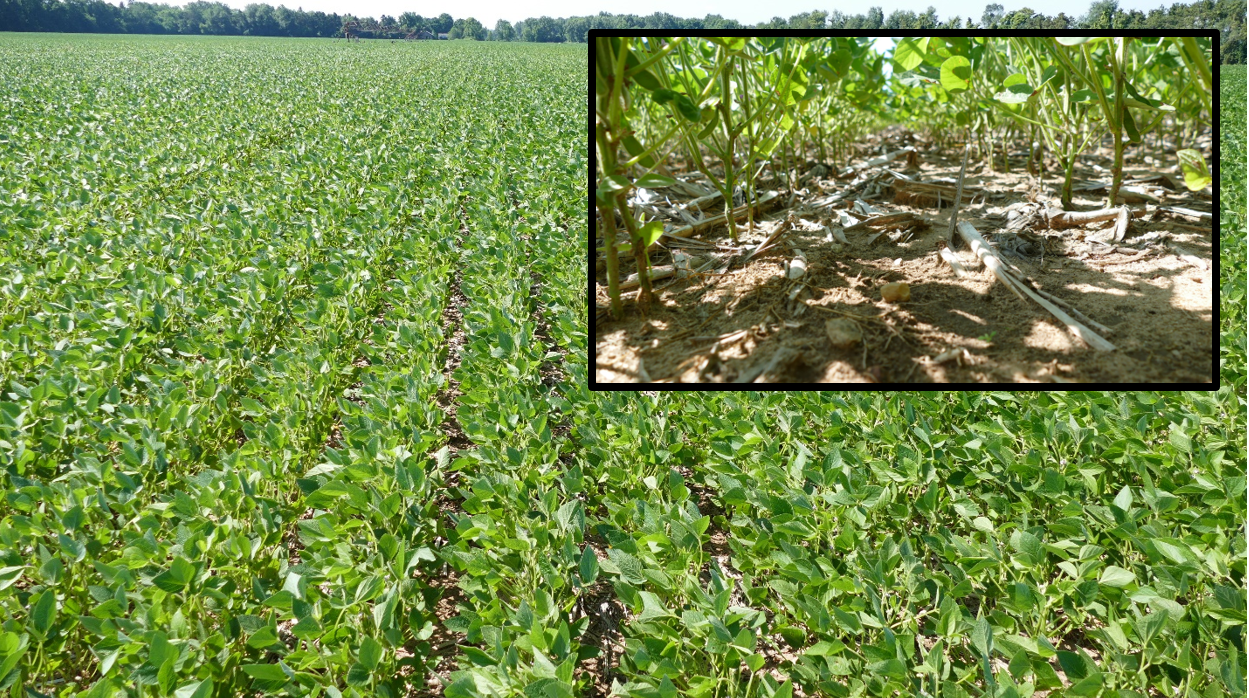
(443,643)
(599,603)
(1159,306)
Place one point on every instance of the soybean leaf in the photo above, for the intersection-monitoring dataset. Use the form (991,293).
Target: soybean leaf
(613,184)
(982,636)
(177,577)
(588,569)
(269,676)
(1116,577)
(1136,101)
(652,607)
(908,55)
(646,80)
(686,107)
(629,566)
(43,612)
(370,653)
(1124,499)
(1129,123)
(652,181)
(663,96)
(634,147)
(198,689)
(1231,671)
(732,43)
(1196,174)
(956,74)
(651,232)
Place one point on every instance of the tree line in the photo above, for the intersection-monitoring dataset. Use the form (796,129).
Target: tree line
(1227,16)
(201,17)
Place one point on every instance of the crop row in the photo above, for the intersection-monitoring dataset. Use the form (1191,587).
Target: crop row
(517,544)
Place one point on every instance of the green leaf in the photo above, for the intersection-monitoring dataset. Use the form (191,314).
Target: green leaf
(839,63)
(652,181)
(165,676)
(956,74)
(651,232)
(1136,101)
(43,612)
(1149,626)
(1197,163)
(982,636)
(1016,94)
(478,657)
(890,667)
(198,689)
(1074,40)
(370,653)
(652,607)
(357,675)
(462,687)
(732,43)
(1129,124)
(825,648)
(1074,665)
(612,185)
(663,96)
(908,55)
(588,570)
(265,637)
(686,107)
(1090,685)
(1084,97)
(266,673)
(177,577)
(1029,545)
(1231,671)
(635,149)
(1117,577)
(12,647)
(629,566)
(10,576)
(1174,549)
(1124,499)
(307,629)
(711,117)
(847,621)
(645,79)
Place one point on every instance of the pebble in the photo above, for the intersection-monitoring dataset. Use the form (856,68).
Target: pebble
(896,292)
(843,334)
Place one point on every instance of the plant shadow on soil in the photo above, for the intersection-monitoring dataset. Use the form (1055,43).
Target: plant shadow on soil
(1159,306)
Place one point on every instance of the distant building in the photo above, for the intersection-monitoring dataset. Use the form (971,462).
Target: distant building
(442,35)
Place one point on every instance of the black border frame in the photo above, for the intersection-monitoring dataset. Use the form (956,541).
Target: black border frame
(1216,363)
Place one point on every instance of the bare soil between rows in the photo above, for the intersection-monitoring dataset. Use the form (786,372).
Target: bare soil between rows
(1158,306)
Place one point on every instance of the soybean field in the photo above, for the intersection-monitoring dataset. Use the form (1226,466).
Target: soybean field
(294,402)
(257,297)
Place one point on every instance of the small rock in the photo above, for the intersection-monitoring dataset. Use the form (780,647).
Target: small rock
(895,293)
(798,267)
(843,334)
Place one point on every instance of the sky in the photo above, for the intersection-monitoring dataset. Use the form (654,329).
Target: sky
(488,12)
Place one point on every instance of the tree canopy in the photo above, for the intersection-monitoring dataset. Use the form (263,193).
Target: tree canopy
(201,17)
